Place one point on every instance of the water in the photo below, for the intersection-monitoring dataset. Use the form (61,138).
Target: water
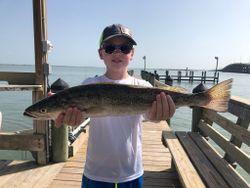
(12,103)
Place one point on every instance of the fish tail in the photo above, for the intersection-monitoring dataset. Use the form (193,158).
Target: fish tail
(219,96)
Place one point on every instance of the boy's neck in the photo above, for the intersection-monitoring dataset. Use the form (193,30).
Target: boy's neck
(117,75)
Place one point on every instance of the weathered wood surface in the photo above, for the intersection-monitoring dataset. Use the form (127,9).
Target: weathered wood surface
(24,174)
(227,172)
(157,163)
(188,175)
(236,153)
(240,107)
(6,87)
(235,129)
(206,170)
(28,142)
(41,57)
(18,78)
(1,119)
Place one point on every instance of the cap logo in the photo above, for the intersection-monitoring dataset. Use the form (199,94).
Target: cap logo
(125,31)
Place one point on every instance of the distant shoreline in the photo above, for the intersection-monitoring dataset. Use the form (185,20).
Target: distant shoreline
(140,68)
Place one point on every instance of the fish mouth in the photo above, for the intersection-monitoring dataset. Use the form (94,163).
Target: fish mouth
(29,114)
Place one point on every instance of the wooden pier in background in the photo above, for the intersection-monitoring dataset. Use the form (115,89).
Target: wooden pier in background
(184,75)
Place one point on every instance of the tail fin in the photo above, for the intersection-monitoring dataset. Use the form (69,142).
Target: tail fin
(219,96)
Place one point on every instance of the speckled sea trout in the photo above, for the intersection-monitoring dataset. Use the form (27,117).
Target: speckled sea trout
(107,99)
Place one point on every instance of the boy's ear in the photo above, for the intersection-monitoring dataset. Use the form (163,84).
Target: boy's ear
(100,53)
(133,51)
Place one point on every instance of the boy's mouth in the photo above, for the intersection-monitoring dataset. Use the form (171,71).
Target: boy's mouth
(116,61)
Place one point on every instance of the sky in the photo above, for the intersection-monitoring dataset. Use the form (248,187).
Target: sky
(170,33)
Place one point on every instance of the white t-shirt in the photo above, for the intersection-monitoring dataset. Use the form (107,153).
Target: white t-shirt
(114,152)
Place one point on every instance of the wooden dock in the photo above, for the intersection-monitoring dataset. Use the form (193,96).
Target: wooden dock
(181,75)
(157,166)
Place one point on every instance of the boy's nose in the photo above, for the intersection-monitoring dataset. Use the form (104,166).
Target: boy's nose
(117,51)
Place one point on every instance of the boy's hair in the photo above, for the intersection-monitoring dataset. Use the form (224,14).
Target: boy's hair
(116,30)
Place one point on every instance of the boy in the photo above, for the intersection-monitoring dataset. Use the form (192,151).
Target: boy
(114,154)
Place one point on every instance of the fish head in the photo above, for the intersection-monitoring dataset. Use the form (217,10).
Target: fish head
(45,109)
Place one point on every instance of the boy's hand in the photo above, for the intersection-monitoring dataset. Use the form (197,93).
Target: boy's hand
(162,108)
(72,117)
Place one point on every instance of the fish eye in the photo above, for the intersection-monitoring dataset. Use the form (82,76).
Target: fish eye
(43,110)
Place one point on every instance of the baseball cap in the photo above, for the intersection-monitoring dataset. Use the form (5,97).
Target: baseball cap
(116,30)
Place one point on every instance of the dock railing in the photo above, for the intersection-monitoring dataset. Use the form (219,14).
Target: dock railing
(22,140)
(223,140)
(183,75)
(217,144)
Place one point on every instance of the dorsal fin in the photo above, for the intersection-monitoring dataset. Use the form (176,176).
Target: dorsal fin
(170,88)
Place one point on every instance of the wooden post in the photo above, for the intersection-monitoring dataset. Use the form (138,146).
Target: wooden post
(179,76)
(40,34)
(197,111)
(0,120)
(157,77)
(60,149)
(192,76)
(152,79)
(59,136)
(196,116)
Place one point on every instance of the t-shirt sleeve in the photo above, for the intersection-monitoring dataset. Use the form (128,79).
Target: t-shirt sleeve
(89,81)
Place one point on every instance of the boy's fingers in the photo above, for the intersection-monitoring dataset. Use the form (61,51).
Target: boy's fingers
(158,107)
(165,106)
(67,116)
(171,105)
(78,118)
(75,117)
(59,120)
(152,111)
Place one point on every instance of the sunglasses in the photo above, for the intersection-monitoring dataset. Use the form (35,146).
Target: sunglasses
(124,48)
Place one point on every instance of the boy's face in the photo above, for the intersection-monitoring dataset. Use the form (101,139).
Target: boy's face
(117,54)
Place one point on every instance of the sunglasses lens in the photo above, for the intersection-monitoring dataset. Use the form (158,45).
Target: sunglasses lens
(109,49)
(126,49)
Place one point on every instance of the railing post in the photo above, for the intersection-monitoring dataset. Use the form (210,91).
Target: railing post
(197,111)
(60,149)
(196,116)
(59,136)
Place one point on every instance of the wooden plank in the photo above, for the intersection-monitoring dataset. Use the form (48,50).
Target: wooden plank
(22,142)
(65,184)
(237,141)
(222,166)
(241,133)
(1,120)
(18,78)
(6,87)
(188,175)
(206,170)
(239,107)
(40,34)
(27,174)
(236,153)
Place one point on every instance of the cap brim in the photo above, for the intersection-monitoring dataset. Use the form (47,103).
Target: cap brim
(120,35)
